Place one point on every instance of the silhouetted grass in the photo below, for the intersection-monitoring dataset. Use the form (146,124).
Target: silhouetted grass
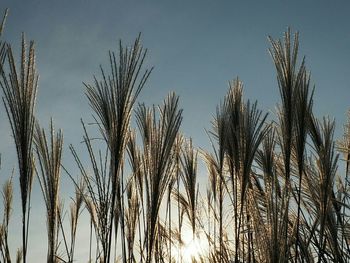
(273,191)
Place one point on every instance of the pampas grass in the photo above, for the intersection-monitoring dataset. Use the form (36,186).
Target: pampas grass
(7,195)
(274,191)
(49,156)
(19,88)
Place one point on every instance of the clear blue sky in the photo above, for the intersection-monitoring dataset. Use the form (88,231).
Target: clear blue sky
(196,47)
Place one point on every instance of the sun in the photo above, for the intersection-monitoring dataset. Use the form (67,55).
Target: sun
(193,248)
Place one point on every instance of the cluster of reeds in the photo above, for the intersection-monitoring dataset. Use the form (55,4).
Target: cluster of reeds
(274,192)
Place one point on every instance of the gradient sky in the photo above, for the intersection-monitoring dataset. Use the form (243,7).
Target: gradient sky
(196,47)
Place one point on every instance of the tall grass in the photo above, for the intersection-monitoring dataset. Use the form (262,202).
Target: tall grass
(274,192)
(158,166)
(2,44)
(7,195)
(49,156)
(19,87)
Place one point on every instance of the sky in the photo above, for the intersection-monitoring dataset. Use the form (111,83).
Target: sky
(196,48)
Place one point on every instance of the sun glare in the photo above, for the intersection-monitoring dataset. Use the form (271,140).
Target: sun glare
(192,248)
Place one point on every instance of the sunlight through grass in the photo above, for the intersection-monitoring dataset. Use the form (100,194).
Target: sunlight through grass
(193,249)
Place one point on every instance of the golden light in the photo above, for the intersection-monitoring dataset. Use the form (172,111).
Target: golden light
(192,248)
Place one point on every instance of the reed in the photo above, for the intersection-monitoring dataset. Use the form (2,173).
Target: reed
(19,88)
(7,196)
(49,153)
(274,191)
(158,138)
